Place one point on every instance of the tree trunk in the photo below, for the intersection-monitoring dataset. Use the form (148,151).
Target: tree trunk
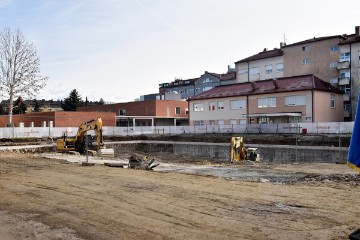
(11,104)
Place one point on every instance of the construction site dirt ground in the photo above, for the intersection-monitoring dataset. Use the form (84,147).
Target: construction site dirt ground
(46,197)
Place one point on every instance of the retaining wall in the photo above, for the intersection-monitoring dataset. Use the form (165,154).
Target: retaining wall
(216,151)
(221,151)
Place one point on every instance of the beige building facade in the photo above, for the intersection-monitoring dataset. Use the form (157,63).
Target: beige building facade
(317,56)
(285,100)
(267,64)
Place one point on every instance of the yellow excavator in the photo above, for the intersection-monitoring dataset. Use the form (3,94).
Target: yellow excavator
(238,151)
(84,142)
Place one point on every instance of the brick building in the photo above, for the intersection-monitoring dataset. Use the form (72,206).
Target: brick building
(57,119)
(146,113)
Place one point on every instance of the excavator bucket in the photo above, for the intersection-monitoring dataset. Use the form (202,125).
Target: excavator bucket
(106,152)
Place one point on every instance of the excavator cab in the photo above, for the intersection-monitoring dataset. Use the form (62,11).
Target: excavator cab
(238,152)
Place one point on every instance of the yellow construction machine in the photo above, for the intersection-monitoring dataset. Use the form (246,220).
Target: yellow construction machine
(238,151)
(83,142)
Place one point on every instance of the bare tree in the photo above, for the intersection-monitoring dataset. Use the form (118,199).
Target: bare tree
(19,67)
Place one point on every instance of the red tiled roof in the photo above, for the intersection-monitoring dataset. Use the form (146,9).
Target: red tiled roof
(311,40)
(224,76)
(349,39)
(262,55)
(287,84)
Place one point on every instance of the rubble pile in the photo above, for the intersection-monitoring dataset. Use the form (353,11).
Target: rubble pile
(352,179)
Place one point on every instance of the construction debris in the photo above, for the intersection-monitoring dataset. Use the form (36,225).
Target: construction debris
(137,163)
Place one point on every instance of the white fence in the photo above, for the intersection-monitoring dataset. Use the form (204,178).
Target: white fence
(309,128)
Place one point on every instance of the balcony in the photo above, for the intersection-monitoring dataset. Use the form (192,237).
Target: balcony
(344,81)
(343,65)
(346,97)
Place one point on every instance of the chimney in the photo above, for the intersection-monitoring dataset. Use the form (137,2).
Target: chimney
(253,86)
(276,83)
(357,31)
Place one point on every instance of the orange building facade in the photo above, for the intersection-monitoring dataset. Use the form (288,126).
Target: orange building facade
(146,113)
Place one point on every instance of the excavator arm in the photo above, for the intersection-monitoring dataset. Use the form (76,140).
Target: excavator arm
(94,124)
(82,138)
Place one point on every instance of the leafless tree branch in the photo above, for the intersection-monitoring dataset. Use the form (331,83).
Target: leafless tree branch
(19,67)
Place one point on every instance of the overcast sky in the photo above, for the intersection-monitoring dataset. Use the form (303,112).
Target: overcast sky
(120,49)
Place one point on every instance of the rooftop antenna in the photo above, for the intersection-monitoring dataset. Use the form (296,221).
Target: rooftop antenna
(284,38)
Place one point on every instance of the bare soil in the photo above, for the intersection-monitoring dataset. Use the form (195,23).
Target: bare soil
(43,198)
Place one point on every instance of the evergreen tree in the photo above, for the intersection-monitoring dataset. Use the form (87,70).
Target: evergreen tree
(3,110)
(36,105)
(20,106)
(72,102)
(101,102)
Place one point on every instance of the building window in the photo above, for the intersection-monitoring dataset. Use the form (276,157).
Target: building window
(198,123)
(186,111)
(212,122)
(297,100)
(206,89)
(345,73)
(220,122)
(177,110)
(220,105)
(347,107)
(242,121)
(305,61)
(333,64)
(268,69)
(279,67)
(198,107)
(243,71)
(333,48)
(212,106)
(345,57)
(334,80)
(305,48)
(122,112)
(233,122)
(254,71)
(359,73)
(332,101)
(266,102)
(206,80)
(237,104)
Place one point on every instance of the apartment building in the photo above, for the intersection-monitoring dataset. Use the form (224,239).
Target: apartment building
(186,88)
(318,56)
(268,64)
(349,72)
(192,87)
(303,98)
(145,113)
(209,80)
